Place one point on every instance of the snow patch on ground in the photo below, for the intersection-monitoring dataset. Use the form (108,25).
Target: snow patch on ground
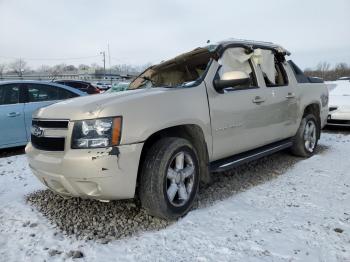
(292,217)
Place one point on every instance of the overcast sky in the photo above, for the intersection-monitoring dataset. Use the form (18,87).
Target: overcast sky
(139,32)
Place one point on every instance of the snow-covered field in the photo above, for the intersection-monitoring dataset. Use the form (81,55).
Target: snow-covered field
(302,215)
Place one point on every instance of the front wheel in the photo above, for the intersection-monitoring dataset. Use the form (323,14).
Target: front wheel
(305,140)
(170,178)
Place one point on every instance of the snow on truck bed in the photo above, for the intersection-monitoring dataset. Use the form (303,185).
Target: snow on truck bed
(302,215)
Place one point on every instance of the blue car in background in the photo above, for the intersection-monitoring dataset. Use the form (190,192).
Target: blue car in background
(19,99)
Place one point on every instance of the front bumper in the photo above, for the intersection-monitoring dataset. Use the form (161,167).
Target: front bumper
(102,174)
(339,118)
(324,114)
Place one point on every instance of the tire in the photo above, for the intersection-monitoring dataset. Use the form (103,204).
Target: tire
(305,141)
(166,190)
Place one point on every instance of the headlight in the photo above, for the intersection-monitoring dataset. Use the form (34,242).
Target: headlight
(95,133)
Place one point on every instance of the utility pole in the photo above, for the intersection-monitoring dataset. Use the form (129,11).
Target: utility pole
(109,63)
(103,53)
(20,67)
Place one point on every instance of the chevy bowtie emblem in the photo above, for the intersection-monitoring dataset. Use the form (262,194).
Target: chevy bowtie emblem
(37,131)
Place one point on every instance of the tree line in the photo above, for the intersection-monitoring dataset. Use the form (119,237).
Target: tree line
(20,68)
(325,71)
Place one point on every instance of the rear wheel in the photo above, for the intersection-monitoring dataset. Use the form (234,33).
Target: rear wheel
(170,177)
(305,140)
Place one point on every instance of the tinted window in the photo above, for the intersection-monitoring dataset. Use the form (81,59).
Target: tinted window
(65,94)
(299,75)
(9,94)
(39,93)
(77,85)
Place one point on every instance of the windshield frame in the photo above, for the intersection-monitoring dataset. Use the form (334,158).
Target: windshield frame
(213,55)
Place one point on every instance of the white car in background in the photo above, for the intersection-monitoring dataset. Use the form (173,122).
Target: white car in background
(339,103)
(103,86)
(344,78)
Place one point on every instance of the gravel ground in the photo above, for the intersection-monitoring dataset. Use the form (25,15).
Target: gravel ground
(91,219)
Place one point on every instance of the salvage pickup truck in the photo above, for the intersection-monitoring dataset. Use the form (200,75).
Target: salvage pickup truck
(177,124)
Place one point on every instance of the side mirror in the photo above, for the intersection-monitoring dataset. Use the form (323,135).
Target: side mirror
(231,79)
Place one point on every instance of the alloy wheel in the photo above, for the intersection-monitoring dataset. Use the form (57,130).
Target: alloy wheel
(180,179)
(310,135)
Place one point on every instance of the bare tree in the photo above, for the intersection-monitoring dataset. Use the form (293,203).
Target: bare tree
(124,69)
(83,67)
(58,70)
(70,69)
(325,71)
(341,69)
(44,69)
(19,67)
(323,67)
(95,66)
(2,69)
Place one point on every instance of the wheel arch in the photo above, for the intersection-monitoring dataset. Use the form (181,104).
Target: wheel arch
(191,132)
(315,109)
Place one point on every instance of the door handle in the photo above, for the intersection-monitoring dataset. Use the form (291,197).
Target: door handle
(290,95)
(258,100)
(13,114)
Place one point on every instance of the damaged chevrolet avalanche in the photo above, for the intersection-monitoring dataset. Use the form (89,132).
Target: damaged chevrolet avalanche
(177,124)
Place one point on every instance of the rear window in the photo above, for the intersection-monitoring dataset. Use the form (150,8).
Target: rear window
(77,85)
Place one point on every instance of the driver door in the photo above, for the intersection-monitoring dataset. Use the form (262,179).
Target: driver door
(237,114)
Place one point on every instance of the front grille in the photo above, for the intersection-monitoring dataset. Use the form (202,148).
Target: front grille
(44,134)
(50,123)
(48,143)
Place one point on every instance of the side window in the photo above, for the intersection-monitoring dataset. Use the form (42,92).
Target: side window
(40,93)
(77,85)
(236,59)
(272,69)
(65,94)
(299,74)
(9,94)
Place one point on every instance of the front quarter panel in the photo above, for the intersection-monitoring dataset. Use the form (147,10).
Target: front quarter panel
(160,108)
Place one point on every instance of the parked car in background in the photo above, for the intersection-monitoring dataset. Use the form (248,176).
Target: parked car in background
(179,123)
(103,86)
(19,99)
(117,87)
(81,85)
(339,103)
(344,78)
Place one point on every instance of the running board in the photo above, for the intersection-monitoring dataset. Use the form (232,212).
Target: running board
(242,158)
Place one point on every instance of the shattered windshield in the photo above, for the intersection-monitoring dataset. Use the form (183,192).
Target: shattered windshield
(183,70)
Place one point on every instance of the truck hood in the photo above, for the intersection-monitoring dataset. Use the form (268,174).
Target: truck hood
(89,107)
